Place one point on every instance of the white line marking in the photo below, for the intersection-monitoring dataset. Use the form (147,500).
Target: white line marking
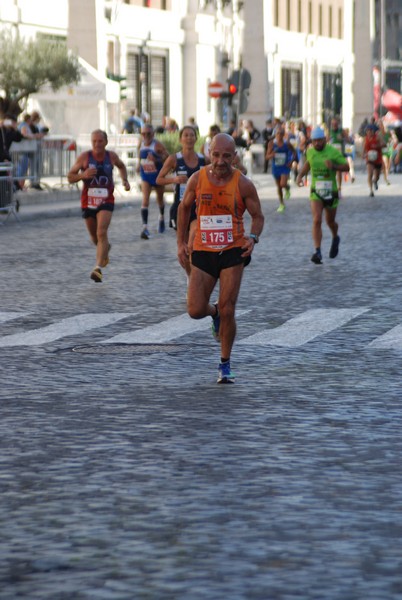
(391,339)
(165,331)
(65,327)
(304,328)
(9,316)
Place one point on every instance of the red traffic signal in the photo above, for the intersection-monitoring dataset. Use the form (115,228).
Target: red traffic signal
(232,89)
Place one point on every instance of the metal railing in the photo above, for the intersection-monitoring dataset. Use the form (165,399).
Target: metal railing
(8,204)
(52,156)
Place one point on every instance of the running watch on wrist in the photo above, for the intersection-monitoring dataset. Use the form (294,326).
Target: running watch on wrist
(255,237)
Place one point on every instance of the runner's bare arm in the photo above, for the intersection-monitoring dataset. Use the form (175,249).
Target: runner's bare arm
(183,218)
(161,150)
(253,205)
(168,166)
(117,162)
(79,171)
(302,173)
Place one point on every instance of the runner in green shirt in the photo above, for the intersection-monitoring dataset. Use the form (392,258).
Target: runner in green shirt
(336,138)
(324,161)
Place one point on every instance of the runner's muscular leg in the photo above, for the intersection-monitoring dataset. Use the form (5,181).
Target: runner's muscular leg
(103,219)
(160,189)
(230,280)
(198,294)
(90,223)
(316,211)
(146,192)
(330,216)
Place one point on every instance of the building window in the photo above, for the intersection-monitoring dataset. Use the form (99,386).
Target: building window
(320,20)
(330,21)
(331,96)
(291,92)
(144,67)
(310,17)
(288,15)
(299,16)
(276,13)
(340,22)
(160,4)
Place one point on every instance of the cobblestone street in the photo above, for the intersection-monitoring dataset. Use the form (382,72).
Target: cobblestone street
(128,473)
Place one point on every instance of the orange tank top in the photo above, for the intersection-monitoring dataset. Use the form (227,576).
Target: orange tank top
(219,214)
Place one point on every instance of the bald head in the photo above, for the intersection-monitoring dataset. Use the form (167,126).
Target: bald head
(223,140)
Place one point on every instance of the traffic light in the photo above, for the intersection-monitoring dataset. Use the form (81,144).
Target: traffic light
(121,81)
(123,88)
(233,86)
(238,90)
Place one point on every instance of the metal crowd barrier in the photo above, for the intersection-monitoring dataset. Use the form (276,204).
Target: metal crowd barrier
(8,204)
(53,156)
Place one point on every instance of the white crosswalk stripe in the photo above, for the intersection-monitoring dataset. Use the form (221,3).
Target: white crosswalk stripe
(390,339)
(168,330)
(304,327)
(294,333)
(10,316)
(66,327)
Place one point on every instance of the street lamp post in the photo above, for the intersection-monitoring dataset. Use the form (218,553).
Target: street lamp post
(382,54)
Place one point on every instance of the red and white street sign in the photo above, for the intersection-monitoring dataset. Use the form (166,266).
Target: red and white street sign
(215,88)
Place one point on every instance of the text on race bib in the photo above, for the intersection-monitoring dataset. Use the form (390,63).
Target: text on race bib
(216,230)
(324,189)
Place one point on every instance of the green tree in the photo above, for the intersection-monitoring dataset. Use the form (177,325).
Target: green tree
(26,66)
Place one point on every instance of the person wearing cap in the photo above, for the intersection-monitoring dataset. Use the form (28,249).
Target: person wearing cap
(324,161)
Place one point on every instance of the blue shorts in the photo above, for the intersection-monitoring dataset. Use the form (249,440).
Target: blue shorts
(277,172)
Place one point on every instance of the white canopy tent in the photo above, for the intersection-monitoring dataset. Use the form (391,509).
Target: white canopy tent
(79,108)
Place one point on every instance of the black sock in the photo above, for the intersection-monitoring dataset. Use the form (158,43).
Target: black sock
(144,216)
(224,360)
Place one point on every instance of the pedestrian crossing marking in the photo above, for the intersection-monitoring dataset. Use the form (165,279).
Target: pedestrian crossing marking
(291,334)
(10,316)
(304,327)
(392,339)
(165,331)
(65,327)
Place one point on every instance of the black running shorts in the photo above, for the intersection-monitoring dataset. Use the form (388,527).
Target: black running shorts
(213,262)
(88,213)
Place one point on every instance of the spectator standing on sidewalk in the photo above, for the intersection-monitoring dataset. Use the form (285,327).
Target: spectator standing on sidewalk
(28,158)
(36,128)
(221,249)
(325,162)
(8,134)
(95,169)
(267,135)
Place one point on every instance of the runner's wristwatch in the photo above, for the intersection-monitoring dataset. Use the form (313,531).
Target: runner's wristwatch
(255,237)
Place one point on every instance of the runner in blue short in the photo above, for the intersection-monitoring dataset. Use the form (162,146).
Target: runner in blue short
(282,155)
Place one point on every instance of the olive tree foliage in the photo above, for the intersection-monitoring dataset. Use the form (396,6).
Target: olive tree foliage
(26,66)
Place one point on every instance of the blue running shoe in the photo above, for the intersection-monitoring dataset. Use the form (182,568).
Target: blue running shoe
(317,258)
(145,235)
(333,252)
(216,321)
(225,375)
(161,228)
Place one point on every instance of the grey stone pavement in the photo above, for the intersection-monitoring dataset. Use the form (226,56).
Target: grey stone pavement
(127,473)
